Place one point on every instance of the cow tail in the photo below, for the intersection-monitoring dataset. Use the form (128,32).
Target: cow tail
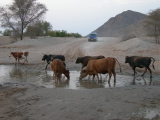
(153,62)
(119,64)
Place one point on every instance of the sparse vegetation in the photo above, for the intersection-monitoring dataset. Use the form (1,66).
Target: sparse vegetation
(153,24)
(63,33)
(44,28)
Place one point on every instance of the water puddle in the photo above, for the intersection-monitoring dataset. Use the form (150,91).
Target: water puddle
(150,113)
(17,74)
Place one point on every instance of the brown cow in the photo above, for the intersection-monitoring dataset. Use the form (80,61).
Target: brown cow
(58,68)
(20,55)
(106,65)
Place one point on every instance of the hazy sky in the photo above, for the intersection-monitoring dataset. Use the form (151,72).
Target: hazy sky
(84,16)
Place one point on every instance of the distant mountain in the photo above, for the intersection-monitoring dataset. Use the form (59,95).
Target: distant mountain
(128,23)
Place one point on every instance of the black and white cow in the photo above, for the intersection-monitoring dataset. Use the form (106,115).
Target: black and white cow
(49,58)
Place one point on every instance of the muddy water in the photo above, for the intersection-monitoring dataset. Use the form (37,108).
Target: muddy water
(18,75)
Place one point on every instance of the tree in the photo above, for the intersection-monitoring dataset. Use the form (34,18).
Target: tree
(39,28)
(20,14)
(153,24)
(46,27)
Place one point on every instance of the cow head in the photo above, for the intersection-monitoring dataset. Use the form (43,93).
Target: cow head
(83,73)
(11,54)
(45,57)
(79,60)
(66,73)
(127,59)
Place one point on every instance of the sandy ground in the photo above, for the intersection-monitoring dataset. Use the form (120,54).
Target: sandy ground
(30,102)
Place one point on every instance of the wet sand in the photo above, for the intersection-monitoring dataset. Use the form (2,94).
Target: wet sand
(31,102)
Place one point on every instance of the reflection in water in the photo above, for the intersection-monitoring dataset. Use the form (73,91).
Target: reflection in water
(140,80)
(62,83)
(150,113)
(91,84)
(27,74)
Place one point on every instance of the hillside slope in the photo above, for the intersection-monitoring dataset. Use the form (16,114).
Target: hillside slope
(127,23)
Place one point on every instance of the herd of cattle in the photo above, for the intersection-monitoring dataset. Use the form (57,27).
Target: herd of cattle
(91,65)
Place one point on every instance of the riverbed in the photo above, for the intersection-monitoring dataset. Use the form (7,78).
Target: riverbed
(26,74)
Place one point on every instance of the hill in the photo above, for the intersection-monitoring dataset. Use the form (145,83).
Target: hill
(127,23)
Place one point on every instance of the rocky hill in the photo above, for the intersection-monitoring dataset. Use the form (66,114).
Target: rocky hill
(127,23)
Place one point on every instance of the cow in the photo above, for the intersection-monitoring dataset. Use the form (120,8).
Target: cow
(103,66)
(141,62)
(49,58)
(84,60)
(20,55)
(58,69)
(25,54)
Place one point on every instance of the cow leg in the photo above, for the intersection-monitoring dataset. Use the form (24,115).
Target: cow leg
(19,60)
(59,77)
(15,61)
(26,60)
(134,69)
(97,76)
(89,77)
(110,75)
(100,76)
(55,75)
(144,71)
(93,77)
(150,72)
(114,74)
(46,66)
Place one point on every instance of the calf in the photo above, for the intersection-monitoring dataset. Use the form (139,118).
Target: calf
(141,62)
(20,55)
(103,66)
(58,68)
(84,60)
(49,58)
